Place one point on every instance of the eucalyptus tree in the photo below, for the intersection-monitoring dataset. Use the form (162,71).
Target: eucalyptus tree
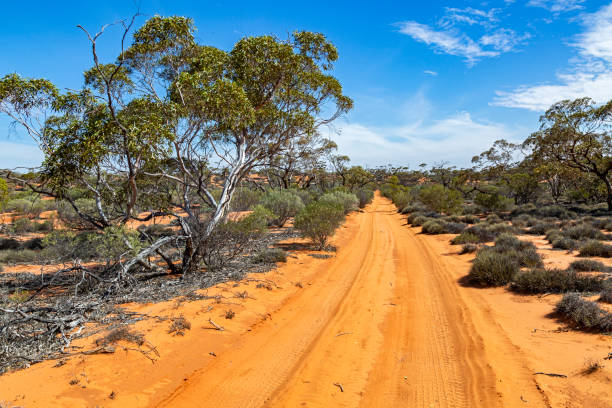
(155,132)
(577,134)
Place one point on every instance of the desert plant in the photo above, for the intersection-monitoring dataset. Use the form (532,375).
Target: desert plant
(283,204)
(540,228)
(583,314)
(364,196)
(318,221)
(492,268)
(270,255)
(596,248)
(245,198)
(468,249)
(348,201)
(433,227)
(554,281)
(466,238)
(583,232)
(179,325)
(588,265)
(440,199)
(606,292)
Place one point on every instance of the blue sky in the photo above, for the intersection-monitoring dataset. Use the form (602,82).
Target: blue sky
(432,81)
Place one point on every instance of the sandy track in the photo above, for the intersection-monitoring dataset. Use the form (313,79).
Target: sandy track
(383,321)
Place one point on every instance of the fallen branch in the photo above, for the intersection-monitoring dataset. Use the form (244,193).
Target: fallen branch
(551,374)
(339,386)
(215,325)
(342,334)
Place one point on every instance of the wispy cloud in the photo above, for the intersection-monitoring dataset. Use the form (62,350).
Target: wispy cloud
(432,73)
(557,6)
(446,36)
(454,139)
(590,73)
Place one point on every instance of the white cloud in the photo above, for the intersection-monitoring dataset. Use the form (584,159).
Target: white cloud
(455,139)
(589,75)
(429,72)
(14,155)
(557,6)
(447,42)
(447,38)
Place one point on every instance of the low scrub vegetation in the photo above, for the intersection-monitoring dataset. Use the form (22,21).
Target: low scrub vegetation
(555,281)
(584,314)
(596,248)
(318,221)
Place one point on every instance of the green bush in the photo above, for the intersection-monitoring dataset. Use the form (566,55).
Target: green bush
(465,238)
(555,281)
(487,232)
(492,200)
(283,204)
(18,205)
(365,196)
(492,268)
(582,232)
(606,292)
(270,255)
(433,227)
(596,248)
(23,225)
(348,201)
(470,219)
(588,265)
(13,256)
(540,228)
(318,221)
(245,198)
(468,249)
(584,314)
(440,199)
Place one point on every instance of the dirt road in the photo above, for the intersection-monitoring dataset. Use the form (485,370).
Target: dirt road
(381,325)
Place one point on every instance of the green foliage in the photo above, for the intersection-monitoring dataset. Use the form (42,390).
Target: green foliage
(245,198)
(606,292)
(492,268)
(466,238)
(22,225)
(348,201)
(365,196)
(492,200)
(270,255)
(584,314)
(588,265)
(282,203)
(319,220)
(596,248)
(4,193)
(555,281)
(440,199)
(433,227)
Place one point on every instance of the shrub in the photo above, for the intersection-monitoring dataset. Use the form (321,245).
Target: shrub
(588,265)
(468,249)
(524,220)
(492,200)
(596,248)
(454,227)
(420,220)
(414,208)
(318,221)
(470,219)
(492,268)
(606,292)
(283,204)
(9,243)
(583,314)
(555,281)
(440,199)
(18,205)
(348,201)
(541,227)
(465,238)
(401,199)
(493,219)
(365,196)
(270,255)
(433,227)
(244,199)
(583,231)
(179,325)
(12,256)
(487,232)
(525,252)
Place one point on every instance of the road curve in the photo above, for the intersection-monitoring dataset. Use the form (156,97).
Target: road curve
(381,325)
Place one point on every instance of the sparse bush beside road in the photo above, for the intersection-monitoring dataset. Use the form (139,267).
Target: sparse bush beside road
(318,221)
